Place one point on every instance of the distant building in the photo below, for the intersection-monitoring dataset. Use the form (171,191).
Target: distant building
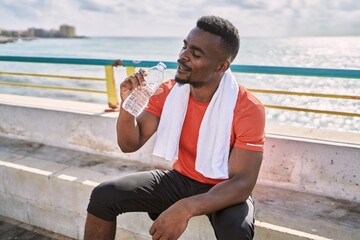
(67,31)
(37,32)
(11,33)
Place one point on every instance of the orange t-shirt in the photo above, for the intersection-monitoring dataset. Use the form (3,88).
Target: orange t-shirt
(247,129)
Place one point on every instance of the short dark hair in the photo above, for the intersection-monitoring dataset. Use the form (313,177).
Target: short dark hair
(223,28)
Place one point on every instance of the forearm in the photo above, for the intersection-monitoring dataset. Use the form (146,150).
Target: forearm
(128,133)
(222,195)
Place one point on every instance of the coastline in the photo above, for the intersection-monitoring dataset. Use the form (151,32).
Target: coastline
(7,39)
(15,39)
(4,40)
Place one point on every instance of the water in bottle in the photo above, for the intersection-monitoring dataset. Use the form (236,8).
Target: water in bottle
(138,99)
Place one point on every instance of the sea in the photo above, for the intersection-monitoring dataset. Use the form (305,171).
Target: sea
(317,52)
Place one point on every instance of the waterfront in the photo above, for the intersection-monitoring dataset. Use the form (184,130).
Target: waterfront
(319,52)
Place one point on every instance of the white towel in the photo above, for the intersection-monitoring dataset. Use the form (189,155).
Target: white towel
(215,130)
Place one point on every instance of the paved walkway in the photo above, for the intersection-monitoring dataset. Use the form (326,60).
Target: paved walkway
(11,229)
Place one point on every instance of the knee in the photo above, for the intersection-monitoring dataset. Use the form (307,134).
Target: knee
(236,222)
(234,229)
(102,193)
(101,202)
(245,231)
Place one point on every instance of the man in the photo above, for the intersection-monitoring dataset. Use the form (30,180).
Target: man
(213,129)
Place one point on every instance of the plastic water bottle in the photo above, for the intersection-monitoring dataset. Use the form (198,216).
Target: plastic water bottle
(138,99)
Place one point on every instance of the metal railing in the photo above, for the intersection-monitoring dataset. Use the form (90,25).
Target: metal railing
(130,66)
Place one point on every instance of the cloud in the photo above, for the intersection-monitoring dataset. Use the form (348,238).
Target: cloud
(324,17)
(97,6)
(345,5)
(25,9)
(244,4)
(175,18)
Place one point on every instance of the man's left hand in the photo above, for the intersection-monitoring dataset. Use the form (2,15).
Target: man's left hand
(170,224)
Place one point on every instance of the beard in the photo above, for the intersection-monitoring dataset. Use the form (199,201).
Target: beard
(188,81)
(181,81)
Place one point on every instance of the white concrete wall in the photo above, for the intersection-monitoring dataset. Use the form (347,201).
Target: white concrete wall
(318,167)
(324,167)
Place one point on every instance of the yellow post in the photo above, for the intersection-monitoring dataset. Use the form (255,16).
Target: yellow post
(113,101)
(130,70)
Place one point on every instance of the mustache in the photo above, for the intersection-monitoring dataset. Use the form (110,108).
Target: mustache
(182,64)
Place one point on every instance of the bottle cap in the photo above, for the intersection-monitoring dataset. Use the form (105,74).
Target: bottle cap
(162,65)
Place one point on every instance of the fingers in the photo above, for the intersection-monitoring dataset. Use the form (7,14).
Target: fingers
(132,82)
(158,234)
(152,230)
(135,80)
(155,234)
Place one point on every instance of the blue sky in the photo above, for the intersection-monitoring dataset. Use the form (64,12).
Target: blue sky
(254,18)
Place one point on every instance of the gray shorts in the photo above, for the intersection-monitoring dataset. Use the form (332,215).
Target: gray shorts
(155,191)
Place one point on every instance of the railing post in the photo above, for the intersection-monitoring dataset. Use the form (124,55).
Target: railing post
(113,101)
(130,70)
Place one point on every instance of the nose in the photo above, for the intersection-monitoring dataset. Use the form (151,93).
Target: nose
(184,54)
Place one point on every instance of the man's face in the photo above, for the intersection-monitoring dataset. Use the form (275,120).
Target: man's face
(199,58)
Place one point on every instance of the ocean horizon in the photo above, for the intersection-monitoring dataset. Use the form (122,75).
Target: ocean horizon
(318,52)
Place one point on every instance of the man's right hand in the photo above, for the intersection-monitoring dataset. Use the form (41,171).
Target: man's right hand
(133,134)
(130,83)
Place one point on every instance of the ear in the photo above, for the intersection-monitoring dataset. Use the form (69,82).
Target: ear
(223,66)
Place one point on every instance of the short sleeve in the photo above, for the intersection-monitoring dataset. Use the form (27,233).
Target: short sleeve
(249,123)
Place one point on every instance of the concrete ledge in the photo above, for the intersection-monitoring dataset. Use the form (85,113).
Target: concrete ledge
(49,187)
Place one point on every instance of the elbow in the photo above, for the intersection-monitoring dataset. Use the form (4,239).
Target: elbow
(125,148)
(122,146)
(244,188)
(244,194)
